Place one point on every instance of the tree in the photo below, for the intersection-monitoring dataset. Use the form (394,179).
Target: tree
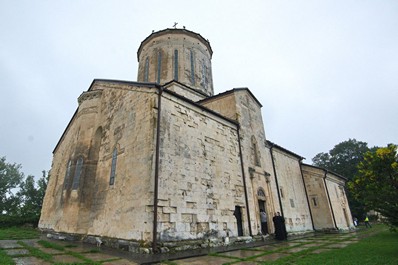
(10,179)
(376,183)
(20,198)
(343,160)
(32,198)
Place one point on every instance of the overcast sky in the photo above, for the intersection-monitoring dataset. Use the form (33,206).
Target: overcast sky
(324,71)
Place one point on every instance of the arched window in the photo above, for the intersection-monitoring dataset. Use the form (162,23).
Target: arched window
(204,75)
(159,65)
(113,167)
(192,68)
(260,192)
(255,152)
(78,171)
(146,69)
(176,65)
(67,174)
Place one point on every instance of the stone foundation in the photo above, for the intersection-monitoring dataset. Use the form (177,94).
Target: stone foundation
(146,248)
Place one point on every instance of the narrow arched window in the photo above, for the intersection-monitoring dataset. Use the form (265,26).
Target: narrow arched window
(192,69)
(146,69)
(260,192)
(159,65)
(204,75)
(113,167)
(67,174)
(255,152)
(176,65)
(78,171)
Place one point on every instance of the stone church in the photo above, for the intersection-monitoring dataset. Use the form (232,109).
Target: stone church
(164,162)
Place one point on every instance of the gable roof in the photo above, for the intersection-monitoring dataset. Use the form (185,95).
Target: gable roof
(284,150)
(148,85)
(326,171)
(231,92)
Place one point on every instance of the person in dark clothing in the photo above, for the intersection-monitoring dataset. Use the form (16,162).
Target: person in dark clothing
(280,228)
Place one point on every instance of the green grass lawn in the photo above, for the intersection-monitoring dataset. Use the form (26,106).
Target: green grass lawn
(375,246)
(21,233)
(4,259)
(380,247)
(11,233)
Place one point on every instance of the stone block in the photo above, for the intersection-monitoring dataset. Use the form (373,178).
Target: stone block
(186,218)
(169,209)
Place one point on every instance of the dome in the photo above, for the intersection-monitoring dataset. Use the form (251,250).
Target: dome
(176,54)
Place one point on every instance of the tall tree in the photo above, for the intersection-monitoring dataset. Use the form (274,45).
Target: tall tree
(20,198)
(343,160)
(10,179)
(32,197)
(376,183)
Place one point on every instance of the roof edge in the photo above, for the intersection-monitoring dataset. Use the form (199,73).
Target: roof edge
(326,171)
(230,92)
(284,150)
(175,31)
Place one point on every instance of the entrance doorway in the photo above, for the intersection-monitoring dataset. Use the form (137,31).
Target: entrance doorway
(238,216)
(263,217)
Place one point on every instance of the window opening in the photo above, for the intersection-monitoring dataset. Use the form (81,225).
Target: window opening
(113,167)
(192,69)
(67,174)
(314,201)
(260,192)
(159,65)
(281,190)
(255,152)
(176,65)
(78,171)
(146,70)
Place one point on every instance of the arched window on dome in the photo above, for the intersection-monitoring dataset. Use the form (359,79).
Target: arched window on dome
(176,65)
(159,65)
(113,167)
(146,69)
(192,68)
(204,75)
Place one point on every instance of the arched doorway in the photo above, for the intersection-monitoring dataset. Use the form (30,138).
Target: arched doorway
(264,217)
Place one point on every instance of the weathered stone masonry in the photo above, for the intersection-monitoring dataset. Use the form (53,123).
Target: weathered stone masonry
(165,163)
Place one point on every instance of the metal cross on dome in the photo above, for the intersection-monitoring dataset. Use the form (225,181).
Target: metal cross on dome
(175,25)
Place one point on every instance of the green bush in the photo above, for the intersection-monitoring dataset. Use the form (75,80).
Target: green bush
(10,221)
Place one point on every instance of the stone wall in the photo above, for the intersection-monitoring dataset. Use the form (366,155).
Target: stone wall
(318,199)
(200,179)
(338,198)
(327,198)
(109,116)
(292,192)
(240,105)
